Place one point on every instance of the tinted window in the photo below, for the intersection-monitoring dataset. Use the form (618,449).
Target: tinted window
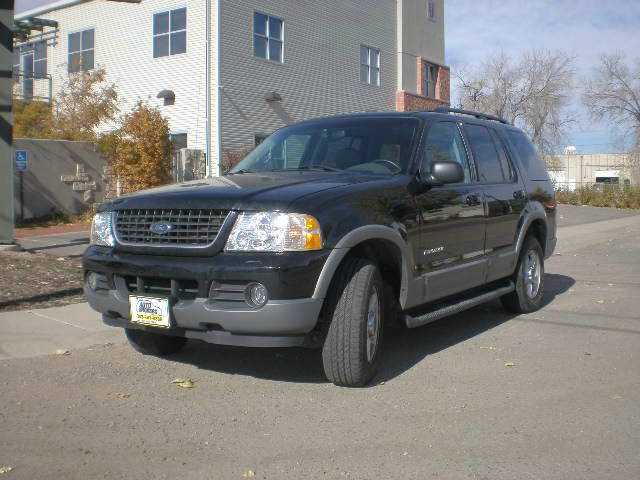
(528,155)
(485,154)
(444,144)
(505,162)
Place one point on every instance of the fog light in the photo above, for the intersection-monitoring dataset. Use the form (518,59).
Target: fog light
(256,295)
(92,281)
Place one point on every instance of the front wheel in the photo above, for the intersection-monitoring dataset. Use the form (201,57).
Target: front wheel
(150,343)
(529,279)
(350,354)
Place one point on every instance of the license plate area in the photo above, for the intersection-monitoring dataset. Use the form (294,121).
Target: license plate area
(150,311)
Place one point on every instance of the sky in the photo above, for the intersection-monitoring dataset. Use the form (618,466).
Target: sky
(476,29)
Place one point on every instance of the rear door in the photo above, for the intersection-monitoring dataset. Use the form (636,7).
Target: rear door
(504,197)
(452,230)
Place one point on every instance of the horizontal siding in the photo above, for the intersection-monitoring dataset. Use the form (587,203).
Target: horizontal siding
(123,46)
(321,73)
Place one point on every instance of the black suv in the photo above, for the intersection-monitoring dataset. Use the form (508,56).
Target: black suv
(327,231)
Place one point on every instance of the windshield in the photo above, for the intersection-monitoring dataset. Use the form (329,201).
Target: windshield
(368,145)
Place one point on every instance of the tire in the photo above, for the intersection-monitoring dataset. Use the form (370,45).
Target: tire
(350,354)
(149,343)
(526,297)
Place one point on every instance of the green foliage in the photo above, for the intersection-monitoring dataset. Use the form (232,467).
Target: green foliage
(601,196)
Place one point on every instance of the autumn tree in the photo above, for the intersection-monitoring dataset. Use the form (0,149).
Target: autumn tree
(532,92)
(85,101)
(612,93)
(142,154)
(32,119)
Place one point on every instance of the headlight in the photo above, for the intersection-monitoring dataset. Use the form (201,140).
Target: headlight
(101,231)
(274,232)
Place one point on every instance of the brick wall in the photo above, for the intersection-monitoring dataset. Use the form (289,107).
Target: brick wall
(406,101)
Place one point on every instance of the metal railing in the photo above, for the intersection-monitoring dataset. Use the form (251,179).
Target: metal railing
(29,86)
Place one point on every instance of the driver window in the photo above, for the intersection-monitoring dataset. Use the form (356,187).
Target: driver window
(444,144)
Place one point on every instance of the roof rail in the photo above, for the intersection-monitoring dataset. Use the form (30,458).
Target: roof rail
(483,116)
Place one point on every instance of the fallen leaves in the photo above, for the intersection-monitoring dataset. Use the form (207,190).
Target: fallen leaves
(509,364)
(123,394)
(249,474)
(616,397)
(184,382)
(600,302)
(62,351)
(5,469)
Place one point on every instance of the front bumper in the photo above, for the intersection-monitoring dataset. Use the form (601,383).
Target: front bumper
(286,320)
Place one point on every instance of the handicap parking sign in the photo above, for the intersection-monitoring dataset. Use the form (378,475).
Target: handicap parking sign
(21,160)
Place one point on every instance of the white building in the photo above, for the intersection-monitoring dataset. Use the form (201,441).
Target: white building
(226,73)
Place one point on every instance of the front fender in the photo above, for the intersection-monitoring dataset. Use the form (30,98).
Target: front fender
(358,236)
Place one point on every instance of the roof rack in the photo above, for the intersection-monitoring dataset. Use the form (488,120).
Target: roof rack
(483,116)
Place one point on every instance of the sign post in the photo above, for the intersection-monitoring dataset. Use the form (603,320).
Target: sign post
(22,164)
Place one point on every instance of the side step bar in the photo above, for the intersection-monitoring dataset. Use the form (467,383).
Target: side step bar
(413,322)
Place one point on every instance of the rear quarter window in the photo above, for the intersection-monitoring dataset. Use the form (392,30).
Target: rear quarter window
(529,158)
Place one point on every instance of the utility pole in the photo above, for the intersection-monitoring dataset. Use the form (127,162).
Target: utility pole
(6,124)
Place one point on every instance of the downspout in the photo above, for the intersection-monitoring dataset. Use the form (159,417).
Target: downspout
(207,88)
(217,96)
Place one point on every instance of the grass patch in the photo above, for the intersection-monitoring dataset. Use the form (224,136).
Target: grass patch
(601,196)
(55,219)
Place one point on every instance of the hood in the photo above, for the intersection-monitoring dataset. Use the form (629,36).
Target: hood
(247,191)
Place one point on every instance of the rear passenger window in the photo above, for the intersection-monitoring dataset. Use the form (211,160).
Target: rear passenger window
(444,144)
(528,155)
(505,162)
(485,153)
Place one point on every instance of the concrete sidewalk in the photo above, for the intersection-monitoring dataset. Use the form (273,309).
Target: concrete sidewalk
(30,333)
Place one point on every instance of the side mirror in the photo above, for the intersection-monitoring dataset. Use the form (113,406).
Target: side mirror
(444,172)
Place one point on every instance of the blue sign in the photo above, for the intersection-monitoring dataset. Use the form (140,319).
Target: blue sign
(21,160)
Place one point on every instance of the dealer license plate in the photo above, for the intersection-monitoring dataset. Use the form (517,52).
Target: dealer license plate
(150,311)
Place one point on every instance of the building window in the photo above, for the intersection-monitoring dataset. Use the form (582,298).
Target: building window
(179,141)
(431,10)
(430,78)
(81,51)
(258,138)
(170,33)
(369,65)
(268,37)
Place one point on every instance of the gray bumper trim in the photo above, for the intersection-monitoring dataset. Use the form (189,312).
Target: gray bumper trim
(217,322)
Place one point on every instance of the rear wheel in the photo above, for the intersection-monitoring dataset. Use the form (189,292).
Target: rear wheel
(355,306)
(529,279)
(150,343)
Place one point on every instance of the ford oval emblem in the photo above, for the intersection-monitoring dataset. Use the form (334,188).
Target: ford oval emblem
(161,228)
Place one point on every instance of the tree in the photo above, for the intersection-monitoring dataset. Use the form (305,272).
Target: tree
(612,93)
(32,119)
(532,92)
(142,154)
(84,102)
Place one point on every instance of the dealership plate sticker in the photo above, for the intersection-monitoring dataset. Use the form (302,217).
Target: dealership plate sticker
(151,311)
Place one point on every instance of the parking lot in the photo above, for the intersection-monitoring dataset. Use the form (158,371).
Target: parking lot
(484,394)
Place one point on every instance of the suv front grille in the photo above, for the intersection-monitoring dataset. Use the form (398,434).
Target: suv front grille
(183,227)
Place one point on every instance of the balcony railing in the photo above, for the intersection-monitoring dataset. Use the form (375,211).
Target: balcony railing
(29,86)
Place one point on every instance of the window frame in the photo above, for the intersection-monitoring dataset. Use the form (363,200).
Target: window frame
(500,144)
(427,80)
(267,37)
(81,51)
(369,50)
(169,32)
(431,10)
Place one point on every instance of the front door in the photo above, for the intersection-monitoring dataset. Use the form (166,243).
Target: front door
(452,224)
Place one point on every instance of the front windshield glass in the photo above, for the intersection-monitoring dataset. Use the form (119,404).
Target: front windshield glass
(367,145)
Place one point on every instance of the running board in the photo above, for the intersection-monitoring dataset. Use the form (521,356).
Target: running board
(461,306)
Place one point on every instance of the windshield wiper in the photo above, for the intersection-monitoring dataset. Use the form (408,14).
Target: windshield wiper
(242,170)
(319,168)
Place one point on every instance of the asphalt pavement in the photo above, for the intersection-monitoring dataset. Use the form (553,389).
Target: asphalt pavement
(484,394)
